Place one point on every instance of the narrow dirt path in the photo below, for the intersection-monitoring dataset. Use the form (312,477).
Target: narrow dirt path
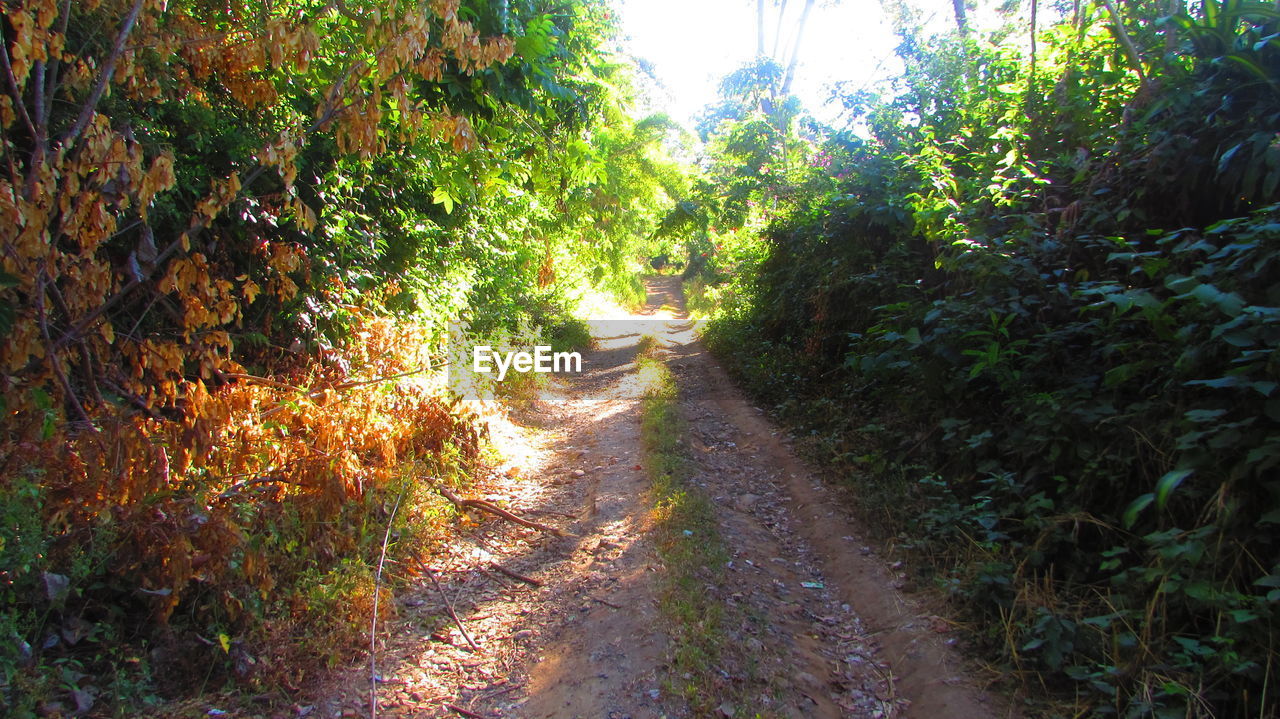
(570,626)
(774,500)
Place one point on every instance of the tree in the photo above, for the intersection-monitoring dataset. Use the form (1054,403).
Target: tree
(97,170)
(962,19)
(795,48)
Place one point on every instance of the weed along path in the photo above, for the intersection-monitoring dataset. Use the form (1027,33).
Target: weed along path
(684,564)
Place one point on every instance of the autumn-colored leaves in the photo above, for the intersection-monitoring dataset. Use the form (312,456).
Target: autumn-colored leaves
(78,235)
(125,277)
(192,196)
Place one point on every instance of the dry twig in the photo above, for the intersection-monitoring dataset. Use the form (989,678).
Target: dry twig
(515,575)
(373,623)
(495,510)
(448,605)
(464,712)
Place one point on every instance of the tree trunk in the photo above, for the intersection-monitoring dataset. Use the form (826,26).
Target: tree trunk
(777,33)
(1127,42)
(795,49)
(759,28)
(1031,75)
(1171,31)
(962,19)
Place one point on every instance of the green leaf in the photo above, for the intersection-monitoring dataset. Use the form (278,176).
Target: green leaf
(1251,67)
(1219,383)
(1239,339)
(441,196)
(1199,590)
(1225,159)
(1168,483)
(1135,508)
(1204,415)
(1242,616)
(1181,283)
(1229,303)
(1120,374)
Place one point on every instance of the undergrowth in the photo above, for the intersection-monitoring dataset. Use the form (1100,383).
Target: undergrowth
(155,558)
(1030,314)
(689,544)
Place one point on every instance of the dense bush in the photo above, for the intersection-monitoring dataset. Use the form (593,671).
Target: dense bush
(1036,320)
(209,214)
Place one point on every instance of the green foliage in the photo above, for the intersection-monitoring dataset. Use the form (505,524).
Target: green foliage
(186,469)
(688,541)
(1035,319)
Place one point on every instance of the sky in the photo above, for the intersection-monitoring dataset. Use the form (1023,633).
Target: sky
(694,43)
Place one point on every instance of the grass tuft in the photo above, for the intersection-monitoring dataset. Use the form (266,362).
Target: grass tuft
(689,544)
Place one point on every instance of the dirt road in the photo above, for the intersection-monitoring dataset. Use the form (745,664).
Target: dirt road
(570,625)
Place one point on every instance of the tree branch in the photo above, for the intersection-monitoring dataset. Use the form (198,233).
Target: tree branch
(55,67)
(795,49)
(108,69)
(42,316)
(498,511)
(197,224)
(14,91)
(1127,42)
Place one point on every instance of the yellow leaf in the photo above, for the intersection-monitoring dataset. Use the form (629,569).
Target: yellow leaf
(225,642)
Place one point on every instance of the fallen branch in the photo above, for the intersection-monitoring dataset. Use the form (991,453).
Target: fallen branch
(373,623)
(515,575)
(566,515)
(449,606)
(607,603)
(499,580)
(500,692)
(495,510)
(265,381)
(464,712)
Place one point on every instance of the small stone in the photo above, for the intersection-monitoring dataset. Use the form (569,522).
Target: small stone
(578,473)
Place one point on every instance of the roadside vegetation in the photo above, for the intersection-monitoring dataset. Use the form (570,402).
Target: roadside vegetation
(1027,307)
(688,539)
(1023,301)
(237,245)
